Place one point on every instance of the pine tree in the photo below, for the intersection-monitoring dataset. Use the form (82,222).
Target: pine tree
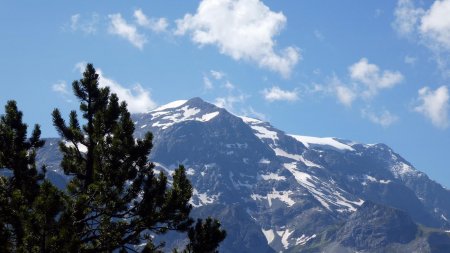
(17,154)
(21,230)
(117,202)
(205,236)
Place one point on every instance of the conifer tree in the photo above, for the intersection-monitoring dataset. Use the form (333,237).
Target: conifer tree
(21,230)
(205,236)
(17,154)
(117,201)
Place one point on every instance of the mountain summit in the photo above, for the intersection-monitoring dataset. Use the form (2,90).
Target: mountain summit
(275,191)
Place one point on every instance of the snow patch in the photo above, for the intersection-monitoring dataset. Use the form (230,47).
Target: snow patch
(269,234)
(82,148)
(401,169)
(304,239)
(164,119)
(190,172)
(280,152)
(203,198)
(327,193)
(374,180)
(309,141)
(264,161)
(264,133)
(249,120)
(209,116)
(273,176)
(283,196)
(171,105)
(285,237)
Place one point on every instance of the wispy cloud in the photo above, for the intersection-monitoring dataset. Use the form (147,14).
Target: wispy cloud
(250,112)
(217,74)
(228,85)
(407,16)
(60,87)
(429,27)
(434,105)
(86,26)
(373,78)
(119,26)
(410,60)
(345,95)
(365,80)
(384,119)
(228,102)
(207,84)
(277,94)
(215,78)
(243,30)
(435,24)
(137,97)
(155,24)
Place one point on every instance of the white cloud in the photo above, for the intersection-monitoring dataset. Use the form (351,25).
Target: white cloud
(384,119)
(207,84)
(156,25)
(373,78)
(60,87)
(74,21)
(434,105)
(217,74)
(435,24)
(277,94)
(242,29)
(429,27)
(407,16)
(86,26)
(345,95)
(229,102)
(365,81)
(410,60)
(120,27)
(250,112)
(228,85)
(137,98)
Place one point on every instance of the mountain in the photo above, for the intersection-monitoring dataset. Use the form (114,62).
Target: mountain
(378,228)
(275,191)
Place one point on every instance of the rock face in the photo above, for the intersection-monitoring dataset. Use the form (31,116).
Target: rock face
(377,228)
(279,192)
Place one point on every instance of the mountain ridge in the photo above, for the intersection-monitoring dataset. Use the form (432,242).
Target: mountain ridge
(291,187)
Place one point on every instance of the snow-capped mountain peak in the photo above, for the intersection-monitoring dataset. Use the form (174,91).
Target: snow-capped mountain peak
(280,191)
(176,112)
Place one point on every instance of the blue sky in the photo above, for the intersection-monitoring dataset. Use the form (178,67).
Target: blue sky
(368,71)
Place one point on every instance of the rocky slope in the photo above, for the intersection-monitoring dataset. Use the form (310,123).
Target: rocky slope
(280,192)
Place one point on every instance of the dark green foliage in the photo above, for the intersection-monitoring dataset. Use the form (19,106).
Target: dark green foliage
(27,209)
(205,236)
(117,201)
(17,153)
(114,201)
